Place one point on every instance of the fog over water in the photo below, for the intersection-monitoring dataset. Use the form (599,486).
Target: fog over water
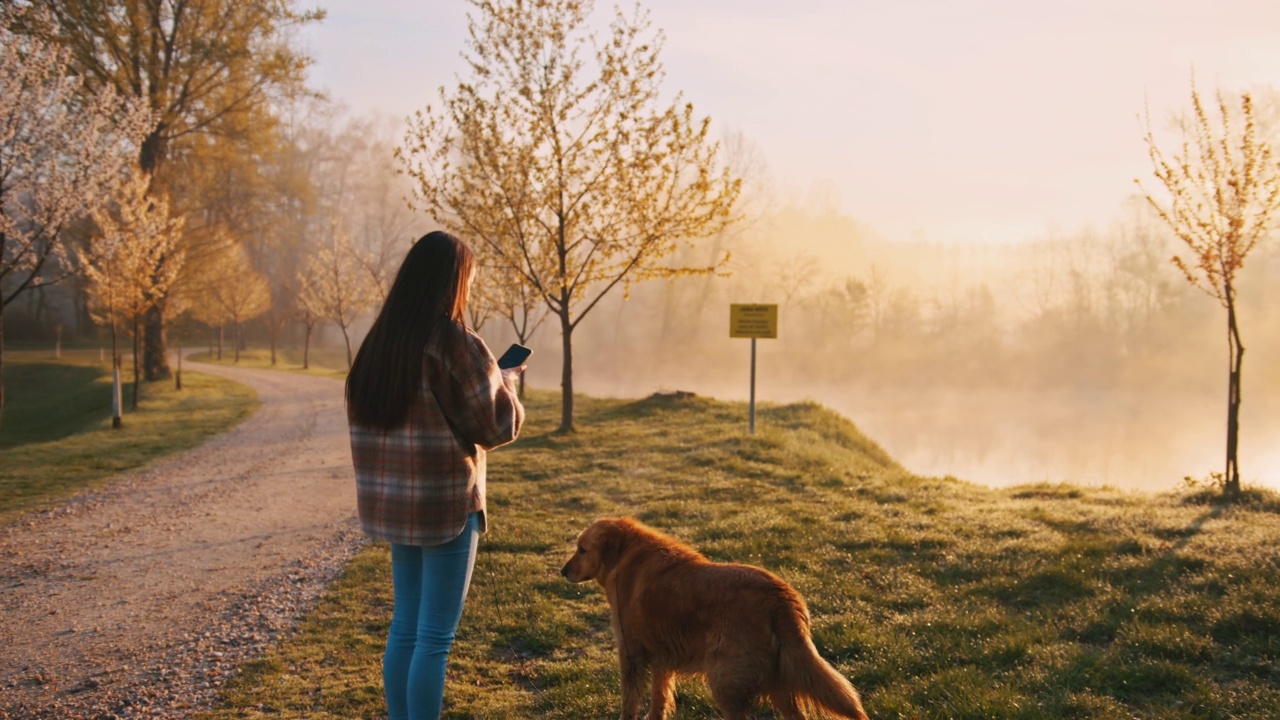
(1147,443)
(1002,438)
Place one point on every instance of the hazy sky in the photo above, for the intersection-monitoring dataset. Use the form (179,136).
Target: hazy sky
(956,120)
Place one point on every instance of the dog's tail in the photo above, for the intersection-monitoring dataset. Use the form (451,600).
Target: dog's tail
(809,680)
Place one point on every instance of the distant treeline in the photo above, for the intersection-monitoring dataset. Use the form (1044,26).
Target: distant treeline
(1096,309)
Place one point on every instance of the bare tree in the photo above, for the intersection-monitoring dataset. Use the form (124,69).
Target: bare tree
(354,176)
(879,295)
(580,178)
(1140,286)
(1223,188)
(335,286)
(278,318)
(796,274)
(380,220)
(61,153)
(309,321)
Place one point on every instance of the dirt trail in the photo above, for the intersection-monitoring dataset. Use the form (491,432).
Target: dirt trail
(139,599)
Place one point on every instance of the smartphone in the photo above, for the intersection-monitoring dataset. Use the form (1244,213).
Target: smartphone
(514,356)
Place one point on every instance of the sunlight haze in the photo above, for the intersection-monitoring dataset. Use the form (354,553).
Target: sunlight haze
(991,120)
(945,213)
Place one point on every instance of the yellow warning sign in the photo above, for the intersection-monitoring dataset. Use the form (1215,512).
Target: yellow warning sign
(753,321)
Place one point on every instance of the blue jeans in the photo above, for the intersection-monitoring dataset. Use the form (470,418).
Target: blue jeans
(430,585)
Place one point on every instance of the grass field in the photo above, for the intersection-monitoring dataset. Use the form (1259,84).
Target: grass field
(937,598)
(56,436)
(327,362)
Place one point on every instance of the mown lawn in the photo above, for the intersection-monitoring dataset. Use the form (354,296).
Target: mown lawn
(56,436)
(937,598)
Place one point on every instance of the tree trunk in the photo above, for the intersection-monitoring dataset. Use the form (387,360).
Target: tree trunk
(117,406)
(1,359)
(1231,478)
(566,372)
(39,302)
(155,359)
(84,319)
(152,151)
(137,371)
(151,154)
(221,329)
(235,338)
(306,348)
(3,239)
(274,329)
(347,339)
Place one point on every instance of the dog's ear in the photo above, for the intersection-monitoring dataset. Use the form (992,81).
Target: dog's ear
(613,543)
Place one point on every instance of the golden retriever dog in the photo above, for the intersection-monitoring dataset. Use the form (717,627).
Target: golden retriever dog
(675,612)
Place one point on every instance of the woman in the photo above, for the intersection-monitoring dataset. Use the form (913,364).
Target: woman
(425,400)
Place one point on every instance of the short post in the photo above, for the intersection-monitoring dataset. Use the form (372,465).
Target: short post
(753,321)
(116,404)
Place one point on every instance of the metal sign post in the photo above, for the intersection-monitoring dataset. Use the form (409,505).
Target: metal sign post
(753,321)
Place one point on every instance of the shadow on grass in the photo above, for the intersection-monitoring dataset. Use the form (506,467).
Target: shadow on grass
(50,401)
(1252,498)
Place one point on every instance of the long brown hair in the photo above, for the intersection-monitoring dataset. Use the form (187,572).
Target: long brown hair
(431,287)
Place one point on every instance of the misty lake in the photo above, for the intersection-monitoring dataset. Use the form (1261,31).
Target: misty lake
(1007,438)
(1147,441)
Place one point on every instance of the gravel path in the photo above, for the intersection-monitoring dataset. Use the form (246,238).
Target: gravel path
(140,599)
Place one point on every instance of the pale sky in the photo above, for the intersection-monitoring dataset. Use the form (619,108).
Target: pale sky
(955,120)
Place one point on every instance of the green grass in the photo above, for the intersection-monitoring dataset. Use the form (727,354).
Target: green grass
(937,598)
(56,436)
(327,362)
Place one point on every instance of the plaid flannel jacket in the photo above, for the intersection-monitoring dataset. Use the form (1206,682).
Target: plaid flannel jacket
(416,484)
